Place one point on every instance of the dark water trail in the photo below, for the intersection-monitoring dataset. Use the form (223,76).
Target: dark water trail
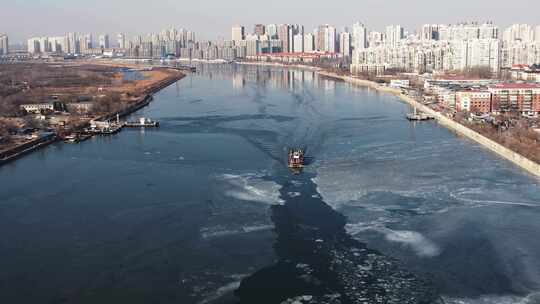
(318,262)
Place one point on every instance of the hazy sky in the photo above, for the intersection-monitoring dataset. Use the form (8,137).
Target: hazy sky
(213,19)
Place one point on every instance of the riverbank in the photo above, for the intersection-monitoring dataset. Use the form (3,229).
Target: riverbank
(517,159)
(147,98)
(280,65)
(26,148)
(144,89)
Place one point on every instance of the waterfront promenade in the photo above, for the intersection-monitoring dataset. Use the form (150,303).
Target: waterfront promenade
(519,160)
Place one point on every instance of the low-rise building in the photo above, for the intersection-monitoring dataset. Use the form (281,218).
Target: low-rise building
(521,97)
(400,83)
(37,108)
(473,101)
(79,107)
(525,72)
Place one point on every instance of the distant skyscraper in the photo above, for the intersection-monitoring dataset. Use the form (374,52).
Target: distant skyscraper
(375,39)
(271,31)
(238,33)
(522,32)
(190,36)
(85,42)
(44,45)
(104,41)
(33,46)
(57,44)
(4,44)
(259,29)
(326,38)
(430,32)
(283,35)
(293,31)
(298,44)
(73,46)
(488,31)
(345,44)
(359,36)
(330,39)
(121,39)
(394,34)
(309,43)
(537,34)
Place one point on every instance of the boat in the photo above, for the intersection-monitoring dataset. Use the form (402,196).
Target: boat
(416,116)
(296,159)
(143,122)
(71,139)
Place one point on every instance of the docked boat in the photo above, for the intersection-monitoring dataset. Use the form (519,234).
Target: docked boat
(296,159)
(418,116)
(71,139)
(142,123)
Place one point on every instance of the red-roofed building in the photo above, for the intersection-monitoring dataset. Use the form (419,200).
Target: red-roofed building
(522,97)
(473,101)
(525,72)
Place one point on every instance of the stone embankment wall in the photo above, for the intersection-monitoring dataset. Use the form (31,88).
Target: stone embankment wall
(519,160)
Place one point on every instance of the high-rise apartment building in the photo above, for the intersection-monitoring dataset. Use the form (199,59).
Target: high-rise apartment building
(44,44)
(73,46)
(4,44)
(121,40)
(86,42)
(58,44)
(104,41)
(345,46)
(375,39)
(394,35)
(330,39)
(34,45)
(298,43)
(521,32)
(359,36)
(293,31)
(283,35)
(259,29)
(271,31)
(429,32)
(488,31)
(238,33)
(326,39)
(309,43)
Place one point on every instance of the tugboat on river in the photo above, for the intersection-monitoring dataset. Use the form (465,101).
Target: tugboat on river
(296,160)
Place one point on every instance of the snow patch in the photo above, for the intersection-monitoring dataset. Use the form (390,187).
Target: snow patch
(532,298)
(252,188)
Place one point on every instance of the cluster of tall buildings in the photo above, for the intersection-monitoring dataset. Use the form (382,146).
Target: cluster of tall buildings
(434,47)
(158,45)
(293,38)
(4,44)
(71,43)
(448,48)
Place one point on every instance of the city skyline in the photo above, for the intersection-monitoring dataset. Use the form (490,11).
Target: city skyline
(213,21)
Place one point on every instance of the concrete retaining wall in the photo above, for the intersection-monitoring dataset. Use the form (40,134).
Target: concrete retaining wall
(519,160)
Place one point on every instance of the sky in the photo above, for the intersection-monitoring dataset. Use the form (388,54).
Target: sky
(22,19)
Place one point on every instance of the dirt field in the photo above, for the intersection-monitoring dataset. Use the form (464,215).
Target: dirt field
(101,83)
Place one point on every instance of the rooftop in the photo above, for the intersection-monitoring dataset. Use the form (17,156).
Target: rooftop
(515,86)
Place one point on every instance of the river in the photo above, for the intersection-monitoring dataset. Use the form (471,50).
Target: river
(191,211)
